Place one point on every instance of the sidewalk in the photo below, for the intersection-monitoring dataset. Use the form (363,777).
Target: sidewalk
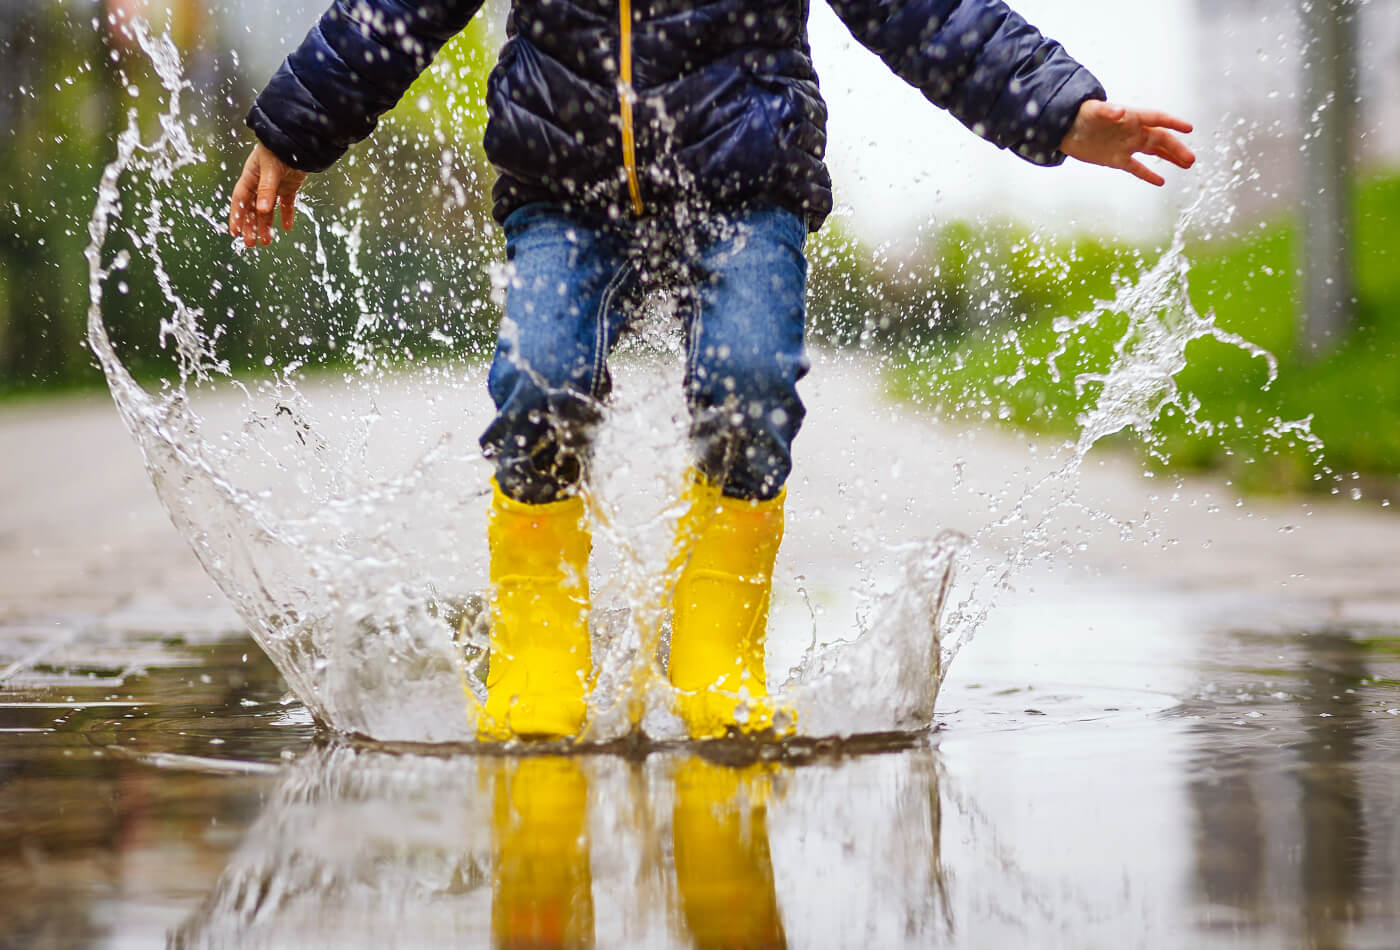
(82,534)
(81,531)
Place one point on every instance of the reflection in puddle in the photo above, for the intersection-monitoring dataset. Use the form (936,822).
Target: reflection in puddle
(1311,812)
(542,881)
(724,871)
(367,848)
(152,791)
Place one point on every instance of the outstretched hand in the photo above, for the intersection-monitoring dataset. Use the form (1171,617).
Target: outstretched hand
(1111,135)
(265,183)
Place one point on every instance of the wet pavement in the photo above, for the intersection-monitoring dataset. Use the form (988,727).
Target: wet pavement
(1194,745)
(1202,788)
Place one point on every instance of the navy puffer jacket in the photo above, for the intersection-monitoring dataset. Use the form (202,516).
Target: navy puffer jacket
(620,107)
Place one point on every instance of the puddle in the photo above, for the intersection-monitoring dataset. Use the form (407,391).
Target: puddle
(1194,785)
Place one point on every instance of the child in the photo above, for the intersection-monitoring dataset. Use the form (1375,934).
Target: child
(675,144)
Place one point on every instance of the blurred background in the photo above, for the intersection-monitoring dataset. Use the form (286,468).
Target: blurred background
(947,259)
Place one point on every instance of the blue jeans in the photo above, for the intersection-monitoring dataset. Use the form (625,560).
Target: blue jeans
(739,280)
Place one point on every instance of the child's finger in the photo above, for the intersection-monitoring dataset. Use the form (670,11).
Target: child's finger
(290,186)
(240,204)
(1165,121)
(268,184)
(1168,146)
(1142,171)
(1174,150)
(289,208)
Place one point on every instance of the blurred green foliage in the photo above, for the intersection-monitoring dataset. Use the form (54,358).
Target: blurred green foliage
(960,278)
(1001,372)
(410,205)
(58,116)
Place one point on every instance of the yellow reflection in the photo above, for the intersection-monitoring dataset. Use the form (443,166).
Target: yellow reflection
(723,868)
(543,886)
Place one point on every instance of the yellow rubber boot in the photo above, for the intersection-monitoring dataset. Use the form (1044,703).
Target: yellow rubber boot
(724,871)
(540,660)
(725,549)
(543,893)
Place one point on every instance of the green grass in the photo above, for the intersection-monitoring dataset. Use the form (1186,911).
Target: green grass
(1002,373)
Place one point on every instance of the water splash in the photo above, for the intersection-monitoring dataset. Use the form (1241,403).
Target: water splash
(1135,392)
(344,616)
(343,513)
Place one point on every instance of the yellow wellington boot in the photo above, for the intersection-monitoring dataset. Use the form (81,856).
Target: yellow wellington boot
(540,662)
(725,549)
(724,871)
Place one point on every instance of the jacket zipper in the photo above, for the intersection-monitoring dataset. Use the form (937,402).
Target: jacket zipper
(629,140)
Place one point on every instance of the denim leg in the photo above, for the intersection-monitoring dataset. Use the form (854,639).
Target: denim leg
(549,372)
(745,350)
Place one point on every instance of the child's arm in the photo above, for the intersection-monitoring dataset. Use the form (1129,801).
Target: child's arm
(1009,84)
(354,65)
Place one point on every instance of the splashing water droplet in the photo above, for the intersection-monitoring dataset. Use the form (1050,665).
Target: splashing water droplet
(343,513)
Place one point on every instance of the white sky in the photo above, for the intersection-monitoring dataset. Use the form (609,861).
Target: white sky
(898,160)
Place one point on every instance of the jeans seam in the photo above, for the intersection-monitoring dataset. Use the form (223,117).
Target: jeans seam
(600,328)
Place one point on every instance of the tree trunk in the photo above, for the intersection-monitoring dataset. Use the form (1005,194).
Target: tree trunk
(1328,102)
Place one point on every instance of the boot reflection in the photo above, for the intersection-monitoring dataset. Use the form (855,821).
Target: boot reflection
(723,868)
(543,885)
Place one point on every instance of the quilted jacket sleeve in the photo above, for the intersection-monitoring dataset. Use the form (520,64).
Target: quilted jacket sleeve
(983,63)
(354,65)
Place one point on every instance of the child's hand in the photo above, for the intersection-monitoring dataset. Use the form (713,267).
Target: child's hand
(266,181)
(1108,134)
